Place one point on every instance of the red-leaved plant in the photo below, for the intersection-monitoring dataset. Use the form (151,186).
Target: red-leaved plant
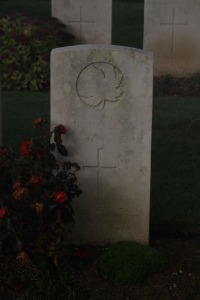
(36,194)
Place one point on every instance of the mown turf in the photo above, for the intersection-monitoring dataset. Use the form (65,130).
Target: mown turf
(175,173)
(19,111)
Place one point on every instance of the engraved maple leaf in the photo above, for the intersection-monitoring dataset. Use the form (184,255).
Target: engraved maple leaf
(100,82)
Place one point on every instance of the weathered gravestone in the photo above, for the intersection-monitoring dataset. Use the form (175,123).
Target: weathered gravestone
(90,21)
(103,94)
(171,31)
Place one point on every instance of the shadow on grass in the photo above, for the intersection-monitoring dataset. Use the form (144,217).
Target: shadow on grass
(175,174)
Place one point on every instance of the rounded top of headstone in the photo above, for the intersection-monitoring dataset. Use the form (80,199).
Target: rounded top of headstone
(103,47)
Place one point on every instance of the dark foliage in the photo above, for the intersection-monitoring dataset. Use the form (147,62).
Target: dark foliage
(170,86)
(25,46)
(36,193)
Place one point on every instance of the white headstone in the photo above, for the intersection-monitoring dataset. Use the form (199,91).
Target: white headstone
(172,32)
(90,21)
(103,94)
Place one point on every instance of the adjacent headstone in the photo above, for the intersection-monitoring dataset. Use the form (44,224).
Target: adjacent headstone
(90,21)
(103,95)
(172,32)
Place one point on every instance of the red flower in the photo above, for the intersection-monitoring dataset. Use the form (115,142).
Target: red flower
(36,180)
(61,197)
(61,129)
(23,258)
(25,147)
(16,185)
(2,211)
(80,253)
(39,207)
(21,193)
(38,122)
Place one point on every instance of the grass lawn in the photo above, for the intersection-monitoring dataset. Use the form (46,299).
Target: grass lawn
(175,185)
(19,111)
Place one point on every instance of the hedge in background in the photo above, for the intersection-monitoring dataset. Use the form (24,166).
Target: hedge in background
(25,46)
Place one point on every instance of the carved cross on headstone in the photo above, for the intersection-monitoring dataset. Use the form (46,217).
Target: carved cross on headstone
(173,24)
(80,22)
(98,167)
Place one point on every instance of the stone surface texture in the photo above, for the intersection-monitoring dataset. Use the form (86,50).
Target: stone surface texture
(90,21)
(103,95)
(171,31)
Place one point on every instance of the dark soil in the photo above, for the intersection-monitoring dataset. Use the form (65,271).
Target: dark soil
(181,280)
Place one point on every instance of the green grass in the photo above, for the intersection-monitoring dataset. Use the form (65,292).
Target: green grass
(175,185)
(19,111)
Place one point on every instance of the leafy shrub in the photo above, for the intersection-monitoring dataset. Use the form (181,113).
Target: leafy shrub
(165,85)
(36,193)
(168,85)
(36,218)
(129,262)
(25,46)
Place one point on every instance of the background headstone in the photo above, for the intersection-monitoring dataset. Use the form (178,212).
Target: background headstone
(103,94)
(172,32)
(90,21)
